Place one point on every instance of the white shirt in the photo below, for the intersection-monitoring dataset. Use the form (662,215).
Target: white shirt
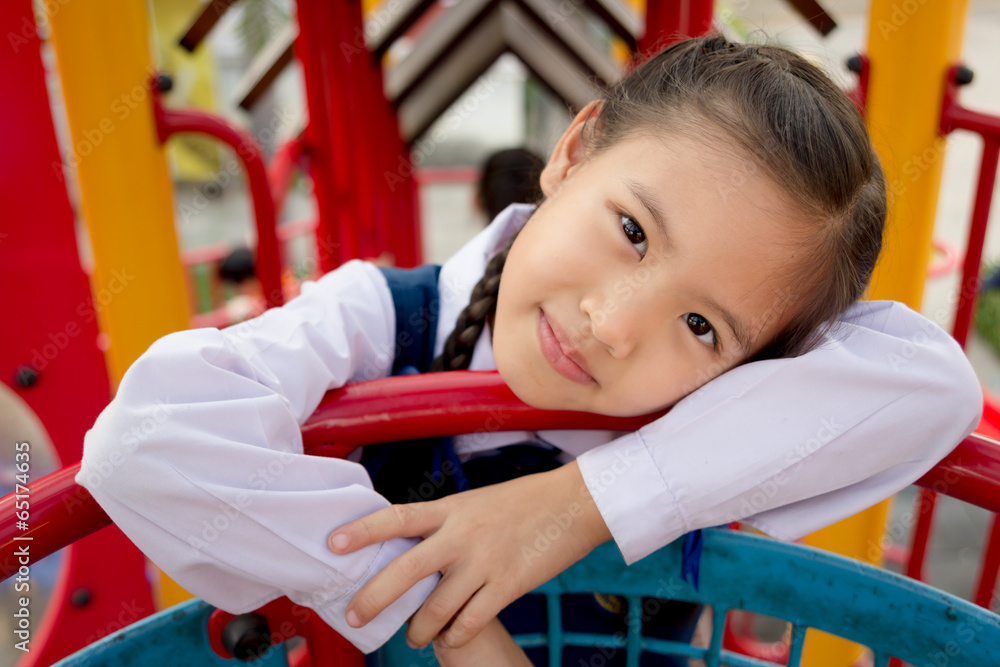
(198,458)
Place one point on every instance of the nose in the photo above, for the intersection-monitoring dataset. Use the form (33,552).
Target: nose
(613,323)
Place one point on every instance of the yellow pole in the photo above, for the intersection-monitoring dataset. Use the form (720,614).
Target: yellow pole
(102,49)
(911,45)
(103,52)
(911,49)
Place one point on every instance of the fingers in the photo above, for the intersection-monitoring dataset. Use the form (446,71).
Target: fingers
(480,610)
(440,608)
(388,585)
(412,520)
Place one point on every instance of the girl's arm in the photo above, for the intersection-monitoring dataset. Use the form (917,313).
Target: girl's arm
(787,445)
(792,445)
(198,459)
(493,647)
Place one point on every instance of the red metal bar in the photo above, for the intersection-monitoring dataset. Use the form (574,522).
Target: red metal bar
(699,17)
(61,513)
(989,567)
(977,236)
(926,499)
(434,404)
(668,22)
(971,473)
(335,121)
(956,117)
(437,404)
(953,117)
(859,94)
(268,259)
(281,169)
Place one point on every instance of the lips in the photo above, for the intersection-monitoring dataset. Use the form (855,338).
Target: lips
(560,353)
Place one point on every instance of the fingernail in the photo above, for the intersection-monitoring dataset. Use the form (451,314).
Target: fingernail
(411,644)
(340,541)
(352,619)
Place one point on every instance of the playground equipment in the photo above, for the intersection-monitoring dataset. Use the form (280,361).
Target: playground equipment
(70,339)
(806,587)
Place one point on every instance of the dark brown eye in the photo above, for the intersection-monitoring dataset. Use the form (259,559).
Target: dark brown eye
(635,234)
(700,327)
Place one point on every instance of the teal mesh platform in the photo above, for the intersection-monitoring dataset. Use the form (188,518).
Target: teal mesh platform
(892,615)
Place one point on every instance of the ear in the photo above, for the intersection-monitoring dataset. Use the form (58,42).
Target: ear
(569,152)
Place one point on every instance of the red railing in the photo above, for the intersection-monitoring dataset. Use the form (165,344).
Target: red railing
(408,407)
(267,262)
(956,117)
(426,406)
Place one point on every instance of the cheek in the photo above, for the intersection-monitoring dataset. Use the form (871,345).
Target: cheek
(659,382)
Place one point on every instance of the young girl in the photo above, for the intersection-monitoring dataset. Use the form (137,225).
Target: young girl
(722,205)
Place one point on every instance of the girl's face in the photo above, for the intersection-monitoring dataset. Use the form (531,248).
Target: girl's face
(650,268)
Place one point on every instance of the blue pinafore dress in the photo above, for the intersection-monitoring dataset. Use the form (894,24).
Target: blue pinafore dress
(429,469)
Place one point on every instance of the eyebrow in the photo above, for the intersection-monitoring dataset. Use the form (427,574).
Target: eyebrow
(740,331)
(648,199)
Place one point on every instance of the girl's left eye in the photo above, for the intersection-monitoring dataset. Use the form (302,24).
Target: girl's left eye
(701,328)
(635,234)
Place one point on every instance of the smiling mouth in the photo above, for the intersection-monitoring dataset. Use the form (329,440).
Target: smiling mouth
(562,356)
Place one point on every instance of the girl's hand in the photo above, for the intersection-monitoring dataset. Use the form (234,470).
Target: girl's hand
(492,544)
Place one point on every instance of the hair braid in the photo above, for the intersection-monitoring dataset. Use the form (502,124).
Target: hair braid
(457,354)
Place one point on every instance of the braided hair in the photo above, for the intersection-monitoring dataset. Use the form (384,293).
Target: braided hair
(482,308)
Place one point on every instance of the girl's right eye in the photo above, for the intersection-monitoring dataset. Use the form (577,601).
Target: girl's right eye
(702,329)
(635,234)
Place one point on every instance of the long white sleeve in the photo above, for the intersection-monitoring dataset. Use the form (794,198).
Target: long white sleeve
(792,445)
(199,457)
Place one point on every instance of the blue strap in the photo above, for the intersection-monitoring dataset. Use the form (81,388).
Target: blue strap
(691,562)
(415,300)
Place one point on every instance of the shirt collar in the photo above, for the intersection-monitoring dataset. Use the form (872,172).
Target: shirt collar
(464,269)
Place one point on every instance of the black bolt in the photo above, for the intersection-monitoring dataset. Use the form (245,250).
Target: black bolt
(963,75)
(247,637)
(164,83)
(26,376)
(80,598)
(854,64)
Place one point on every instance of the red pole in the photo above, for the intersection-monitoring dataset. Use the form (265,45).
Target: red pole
(989,567)
(668,22)
(977,235)
(333,55)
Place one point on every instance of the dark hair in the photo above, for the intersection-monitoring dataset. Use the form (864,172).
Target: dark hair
(237,266)
(791,122)
(510,176)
